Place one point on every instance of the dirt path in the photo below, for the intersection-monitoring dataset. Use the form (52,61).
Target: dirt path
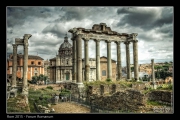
(67,107)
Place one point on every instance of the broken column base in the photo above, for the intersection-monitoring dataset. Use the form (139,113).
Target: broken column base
(13,92)
(25,90)
(73,81)
(128,79)
(80,89)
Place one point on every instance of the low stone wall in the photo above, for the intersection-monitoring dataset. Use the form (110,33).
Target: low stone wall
(122,100)
(160,96)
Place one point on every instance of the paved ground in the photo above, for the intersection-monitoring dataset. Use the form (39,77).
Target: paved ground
(67,107)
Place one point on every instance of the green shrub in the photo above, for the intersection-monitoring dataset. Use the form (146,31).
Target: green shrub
(108,80)
(49,87)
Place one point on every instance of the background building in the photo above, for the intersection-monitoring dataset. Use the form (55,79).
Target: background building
(61,65)
(35,66)
(46,68)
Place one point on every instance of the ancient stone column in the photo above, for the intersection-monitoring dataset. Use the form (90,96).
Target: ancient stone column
(79,58)
(57,64)
(25,65)
(135,56)
(74,61)
(97,60)
(128,67)
(153,75)
(86,62)
(119,69)
(109,66)
(14,68)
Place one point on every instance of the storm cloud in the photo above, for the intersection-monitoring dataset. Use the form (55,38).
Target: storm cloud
(48,26)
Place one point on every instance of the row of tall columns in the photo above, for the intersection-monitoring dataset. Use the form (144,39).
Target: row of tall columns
(77,59)
(23,42)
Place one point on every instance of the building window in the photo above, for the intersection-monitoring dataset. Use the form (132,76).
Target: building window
(35,68)
(35,74)
(39,63)
(104,73)
(67,62)
(32,62)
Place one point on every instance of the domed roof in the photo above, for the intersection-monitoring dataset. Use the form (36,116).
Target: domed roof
(65,44)
(65,49)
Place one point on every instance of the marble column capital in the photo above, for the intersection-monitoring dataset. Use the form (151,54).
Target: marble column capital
(27,36)
(86,39)
(117,42)
(97,40)
(135,41)
(79,35)
(14,46)
(107,41)
(127,42)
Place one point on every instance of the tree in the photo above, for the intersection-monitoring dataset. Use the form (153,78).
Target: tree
(41,77)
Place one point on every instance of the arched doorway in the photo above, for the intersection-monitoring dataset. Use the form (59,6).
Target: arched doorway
(67,75)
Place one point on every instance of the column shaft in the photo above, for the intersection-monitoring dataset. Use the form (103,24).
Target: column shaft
(128,67)
(109,66)
(25,67)
(79,58)
(152,65)
(97,60)
(14,68)
(74,61)
(135,53)
(119,68)
(86,54)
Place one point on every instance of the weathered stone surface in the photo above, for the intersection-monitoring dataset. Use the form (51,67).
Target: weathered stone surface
(163,96)
(124,99)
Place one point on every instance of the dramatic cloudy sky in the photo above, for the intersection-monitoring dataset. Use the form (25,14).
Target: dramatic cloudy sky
(48,26)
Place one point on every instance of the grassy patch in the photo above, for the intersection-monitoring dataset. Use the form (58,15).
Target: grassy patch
(12,106)
(45,93)
(165,87)
(154,103)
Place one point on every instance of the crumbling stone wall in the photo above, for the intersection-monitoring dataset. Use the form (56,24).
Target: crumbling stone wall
(122,100)
(160,96)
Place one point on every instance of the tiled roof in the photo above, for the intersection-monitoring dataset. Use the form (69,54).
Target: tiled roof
(31,57)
